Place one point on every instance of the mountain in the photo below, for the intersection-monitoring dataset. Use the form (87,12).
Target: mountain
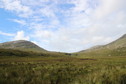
(21,45)
(115,48)
(24,48)
(121,42)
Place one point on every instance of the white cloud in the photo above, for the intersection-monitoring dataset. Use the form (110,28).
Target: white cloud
(17,7)
(22,22)
(6,34)
(80,5)
(21,36)
(108,7)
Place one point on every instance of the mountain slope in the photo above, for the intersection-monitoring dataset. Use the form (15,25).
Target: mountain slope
(115,48)
(21,45)
(20,53)
(121,42)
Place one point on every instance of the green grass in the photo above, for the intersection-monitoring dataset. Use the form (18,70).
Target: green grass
(25,53)
(105,52)
(62,70)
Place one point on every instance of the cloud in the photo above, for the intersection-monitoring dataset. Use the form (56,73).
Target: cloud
(107,7)
(22,22)
(80,5)
(17,7)
(21,36)
(6,34)
(69,25)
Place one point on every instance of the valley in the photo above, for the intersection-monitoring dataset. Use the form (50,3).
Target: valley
(101,65)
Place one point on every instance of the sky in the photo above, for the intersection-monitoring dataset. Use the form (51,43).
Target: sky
(63,25)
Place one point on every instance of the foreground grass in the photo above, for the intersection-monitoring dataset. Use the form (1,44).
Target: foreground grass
(62,70)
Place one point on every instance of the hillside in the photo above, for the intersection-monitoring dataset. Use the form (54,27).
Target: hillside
(115,48)
(21,45)
(24,48)
(119,43)
(20,53)
(11,52)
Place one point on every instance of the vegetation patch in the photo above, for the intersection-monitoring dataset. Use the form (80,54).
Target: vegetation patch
(62,70)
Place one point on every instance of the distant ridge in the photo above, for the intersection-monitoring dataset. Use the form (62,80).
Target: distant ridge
(115,48)
(21,45)
(121,42)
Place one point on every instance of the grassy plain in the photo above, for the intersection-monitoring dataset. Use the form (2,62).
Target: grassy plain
(63,70)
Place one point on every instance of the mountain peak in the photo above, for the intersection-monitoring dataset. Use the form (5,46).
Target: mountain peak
(22,45)
(21,40)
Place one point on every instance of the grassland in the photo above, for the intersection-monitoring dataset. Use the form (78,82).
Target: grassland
(62,70)
(104,52)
